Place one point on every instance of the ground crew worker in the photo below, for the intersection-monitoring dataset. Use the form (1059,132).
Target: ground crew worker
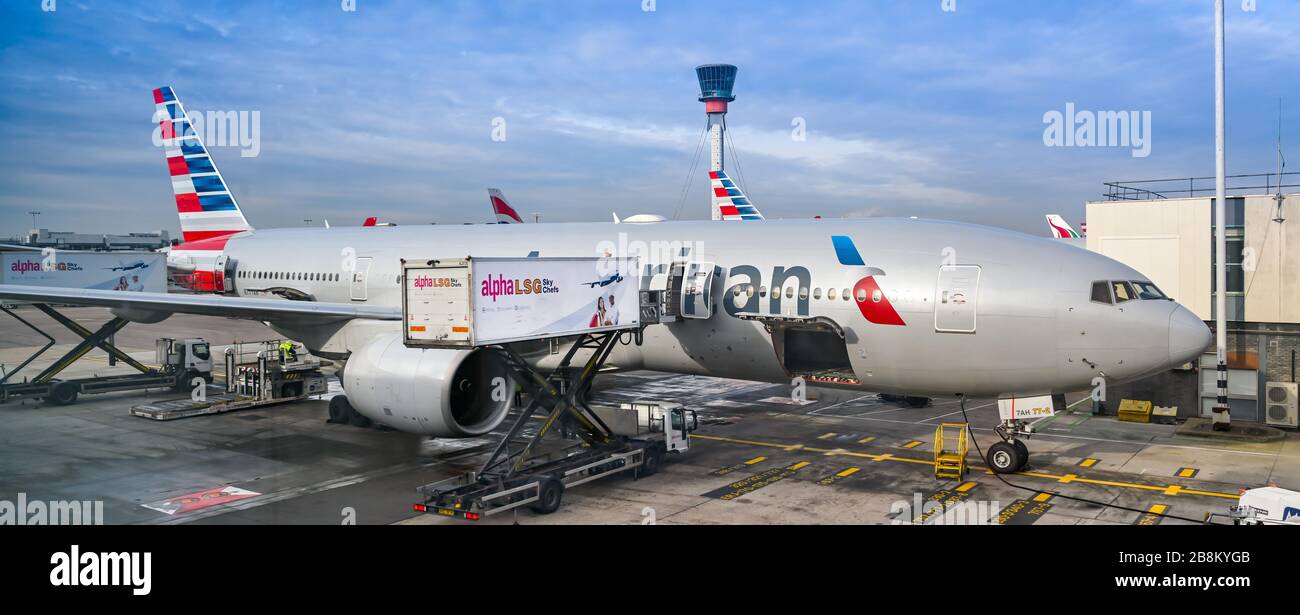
(287,353)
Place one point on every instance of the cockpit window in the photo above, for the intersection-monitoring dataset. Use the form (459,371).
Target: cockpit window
(1147,290)
(1123,292)
(1101,292)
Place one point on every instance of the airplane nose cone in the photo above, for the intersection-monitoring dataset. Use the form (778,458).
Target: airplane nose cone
(1188,336)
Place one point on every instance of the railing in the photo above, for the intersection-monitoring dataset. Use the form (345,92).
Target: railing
(1186,187)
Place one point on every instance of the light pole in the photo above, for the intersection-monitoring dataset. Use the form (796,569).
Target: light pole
(1222,420)
(34,214)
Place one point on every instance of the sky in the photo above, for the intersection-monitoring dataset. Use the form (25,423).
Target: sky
(396,109)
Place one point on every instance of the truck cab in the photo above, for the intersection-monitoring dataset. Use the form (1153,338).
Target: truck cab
(672,421)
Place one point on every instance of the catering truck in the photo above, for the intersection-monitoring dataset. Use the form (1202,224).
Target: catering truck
(492,305)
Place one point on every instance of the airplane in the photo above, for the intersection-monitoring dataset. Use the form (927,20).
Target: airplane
(209,213)
(1063,231)
(730,200)
(898,306)
(131,267)
(613,277)
(504,212)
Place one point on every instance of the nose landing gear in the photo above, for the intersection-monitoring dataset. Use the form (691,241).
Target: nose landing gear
(1009,456)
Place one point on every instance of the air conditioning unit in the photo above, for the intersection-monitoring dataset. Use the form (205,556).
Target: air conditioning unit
(1282,404)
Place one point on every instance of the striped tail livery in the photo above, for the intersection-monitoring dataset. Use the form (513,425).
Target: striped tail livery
(729,201)
(504,212)
(206,207)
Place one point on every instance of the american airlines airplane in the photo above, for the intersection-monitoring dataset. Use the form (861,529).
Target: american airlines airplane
(904,306)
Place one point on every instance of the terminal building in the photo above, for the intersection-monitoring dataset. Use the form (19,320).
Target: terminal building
(1165,229)
(98,242)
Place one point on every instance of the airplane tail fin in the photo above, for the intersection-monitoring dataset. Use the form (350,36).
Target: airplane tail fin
(504,212)
(371,221)
(206,207)
(1060,228)
(729,201)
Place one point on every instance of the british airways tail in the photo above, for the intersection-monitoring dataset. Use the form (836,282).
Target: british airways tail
(504,212)
(206,207)
(1060,228)
(729,202)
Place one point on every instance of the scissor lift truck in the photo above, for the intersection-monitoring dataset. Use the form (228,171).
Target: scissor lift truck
(257,374)
(179,362)
(574,443)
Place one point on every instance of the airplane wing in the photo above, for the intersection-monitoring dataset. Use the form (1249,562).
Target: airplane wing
(207,305)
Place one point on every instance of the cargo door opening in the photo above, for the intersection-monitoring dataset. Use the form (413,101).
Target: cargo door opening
(814,350)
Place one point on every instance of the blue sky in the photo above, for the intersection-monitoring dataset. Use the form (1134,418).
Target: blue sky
(388,110)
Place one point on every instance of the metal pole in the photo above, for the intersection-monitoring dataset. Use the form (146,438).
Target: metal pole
(1222,416)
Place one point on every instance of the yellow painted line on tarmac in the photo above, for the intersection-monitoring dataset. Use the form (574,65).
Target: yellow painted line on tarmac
(1166,489)
(1067,478)
(1042,497)
(966,486)
(1089,462)
(848,472)
(801,465)
(866,440)
(755,460)
(1187,472)
(827,436)
(913,444)
(1158,509)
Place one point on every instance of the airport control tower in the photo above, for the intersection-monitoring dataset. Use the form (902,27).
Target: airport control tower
(716,82)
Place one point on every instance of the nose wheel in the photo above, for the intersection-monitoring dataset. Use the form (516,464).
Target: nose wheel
(1010,455)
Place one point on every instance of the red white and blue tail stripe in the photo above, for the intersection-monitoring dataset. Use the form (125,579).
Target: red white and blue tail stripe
(730,202)
(501,208)
(206,207)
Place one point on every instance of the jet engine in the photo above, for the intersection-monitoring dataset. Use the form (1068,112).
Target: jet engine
(447,393)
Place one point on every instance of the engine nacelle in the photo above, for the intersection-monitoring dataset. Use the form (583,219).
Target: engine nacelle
(448,393)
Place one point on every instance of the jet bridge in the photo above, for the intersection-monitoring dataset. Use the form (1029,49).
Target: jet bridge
(501,304)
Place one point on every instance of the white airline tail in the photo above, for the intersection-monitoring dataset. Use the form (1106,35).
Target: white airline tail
(204,203)
(504,212)
(1060,228)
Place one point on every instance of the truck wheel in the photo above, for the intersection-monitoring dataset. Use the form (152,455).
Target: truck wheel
(62,394)
(549,494)
(340,410)
(182,382)
(654,458)
(1003,458)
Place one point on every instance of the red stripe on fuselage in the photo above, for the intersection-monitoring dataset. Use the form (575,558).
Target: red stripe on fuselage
(880,313)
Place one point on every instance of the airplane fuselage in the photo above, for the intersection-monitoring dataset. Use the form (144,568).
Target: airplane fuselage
(933,308)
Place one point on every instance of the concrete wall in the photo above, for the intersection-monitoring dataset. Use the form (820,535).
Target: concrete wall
(1273,289)
(1171,242)
(1168,240)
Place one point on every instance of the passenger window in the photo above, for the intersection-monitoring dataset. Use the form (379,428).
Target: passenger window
(846,294)
(817,293)
(789,292)
(1123,292)
(862,295)
(803,292)
(1101,292)
(762,291)
(749,290)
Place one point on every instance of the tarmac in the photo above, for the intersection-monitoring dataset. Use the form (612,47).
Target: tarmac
(759,456)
